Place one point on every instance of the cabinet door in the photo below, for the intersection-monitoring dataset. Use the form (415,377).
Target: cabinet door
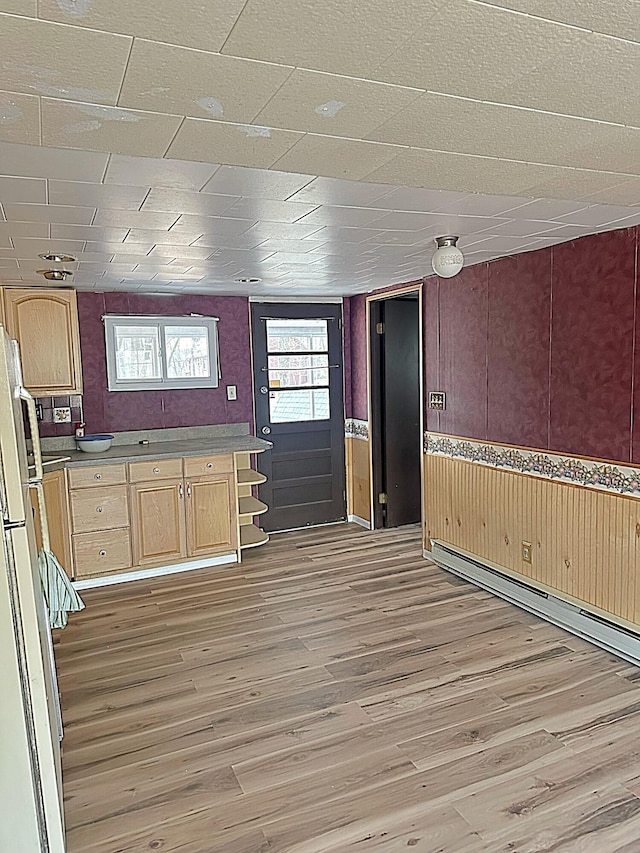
(55,498)
(211,515)
(158,529)
(45,324)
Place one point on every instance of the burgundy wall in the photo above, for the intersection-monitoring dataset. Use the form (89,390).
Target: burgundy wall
(538,349)
(106,411)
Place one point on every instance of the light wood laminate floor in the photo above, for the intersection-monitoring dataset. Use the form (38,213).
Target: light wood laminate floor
(336,692)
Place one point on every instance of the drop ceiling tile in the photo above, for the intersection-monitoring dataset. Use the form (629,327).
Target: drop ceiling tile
(336,192)
(579,81)
(269,211)
(182,201)
(333,36)
(596,215)
(237,144)
(196,253)
(396,238)
(192,23)
(285,231)
(23,190)
(336,158)
(114,268)
(125,257)
(277,244)
(474,50)
(255,183)
(169,79)
(48,213)
(97,127)
(19,118)
(333,105)
(410,198)
(144,236)
(97,249)
(483,205)
(148,172)
(29,247)
(20,7)
(402,221)
(464,173)
(95,195)
(627,193)
(542,208)
(615,17)
(31,162)
(88,232)
(335,216)
(204,225)
(469,127)
(25,229)
(340,234)
(8,264)
(60,61)
(135,219)
(573,183)
(523,228)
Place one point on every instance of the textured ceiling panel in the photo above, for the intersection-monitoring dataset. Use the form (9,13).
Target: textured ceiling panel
(19,118)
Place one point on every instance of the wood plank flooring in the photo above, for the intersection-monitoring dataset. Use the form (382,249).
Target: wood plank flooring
(337,693)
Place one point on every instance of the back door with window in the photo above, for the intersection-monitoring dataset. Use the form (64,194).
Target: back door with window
(297,356)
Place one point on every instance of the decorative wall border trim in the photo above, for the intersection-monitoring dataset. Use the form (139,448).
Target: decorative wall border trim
(620,479)
(354,428)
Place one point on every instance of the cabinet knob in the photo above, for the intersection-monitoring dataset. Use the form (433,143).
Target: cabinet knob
(156,470)
(209,465)
(102,553)
(97,476)
(98,509)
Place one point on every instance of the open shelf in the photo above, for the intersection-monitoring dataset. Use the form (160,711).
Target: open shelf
(251,536)
(249,477)
(251,506)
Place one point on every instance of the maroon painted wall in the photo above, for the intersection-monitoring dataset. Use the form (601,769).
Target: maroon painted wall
(538,349)
(106,411)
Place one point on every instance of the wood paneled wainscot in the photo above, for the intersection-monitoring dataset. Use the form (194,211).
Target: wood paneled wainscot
(585,542)
(45,324)
(358,478)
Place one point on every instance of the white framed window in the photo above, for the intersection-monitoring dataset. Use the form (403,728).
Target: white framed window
(146,353)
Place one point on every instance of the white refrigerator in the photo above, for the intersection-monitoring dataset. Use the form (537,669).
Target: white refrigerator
(31,812)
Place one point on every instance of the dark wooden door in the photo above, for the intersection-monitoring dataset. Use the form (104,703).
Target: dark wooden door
(297,359)
(395,350)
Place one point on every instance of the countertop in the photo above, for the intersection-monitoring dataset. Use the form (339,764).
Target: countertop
(159,450)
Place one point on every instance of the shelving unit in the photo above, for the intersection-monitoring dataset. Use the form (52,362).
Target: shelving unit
(251,535)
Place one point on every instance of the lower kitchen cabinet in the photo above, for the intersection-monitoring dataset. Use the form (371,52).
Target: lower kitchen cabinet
(56,502)
(158,523)
(211,516)
(101,553)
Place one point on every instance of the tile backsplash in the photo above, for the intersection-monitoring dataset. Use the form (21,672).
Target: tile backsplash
(48,428)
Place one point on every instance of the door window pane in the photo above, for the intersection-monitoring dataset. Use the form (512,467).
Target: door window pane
(137,353)
(187,351)
(295,371)
(297,336)
(311,404)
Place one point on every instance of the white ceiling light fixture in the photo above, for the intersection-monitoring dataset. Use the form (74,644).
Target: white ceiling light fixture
(57,258)
(55,275)
(447,259)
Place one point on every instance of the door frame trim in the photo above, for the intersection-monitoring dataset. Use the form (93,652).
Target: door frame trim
(416,287)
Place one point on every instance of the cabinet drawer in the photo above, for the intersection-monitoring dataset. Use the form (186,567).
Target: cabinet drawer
(97,475)
(99,509)
(200,466)
(101,553)
(155,469)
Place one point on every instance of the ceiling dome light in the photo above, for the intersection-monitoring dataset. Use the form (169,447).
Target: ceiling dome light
(447,259)
(57,259)
(247,280)
(55,275)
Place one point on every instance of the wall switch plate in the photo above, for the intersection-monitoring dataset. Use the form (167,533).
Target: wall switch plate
(232,392)
(527,552)
(437,400)
(62,415)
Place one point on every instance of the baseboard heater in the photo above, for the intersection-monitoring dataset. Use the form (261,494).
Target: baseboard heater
(592,627)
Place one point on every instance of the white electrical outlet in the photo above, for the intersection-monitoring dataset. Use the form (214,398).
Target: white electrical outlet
(62,415)
(232,392)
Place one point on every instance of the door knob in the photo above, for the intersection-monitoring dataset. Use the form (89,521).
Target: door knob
(266,430)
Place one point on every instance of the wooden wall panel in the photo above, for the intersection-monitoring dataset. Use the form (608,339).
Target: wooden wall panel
(586,543)
(358,478)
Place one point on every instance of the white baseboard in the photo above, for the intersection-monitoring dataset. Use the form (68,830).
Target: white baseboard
(592,627)
(156,572)
(355,519)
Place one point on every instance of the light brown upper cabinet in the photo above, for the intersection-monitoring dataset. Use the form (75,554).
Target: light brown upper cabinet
(45,324)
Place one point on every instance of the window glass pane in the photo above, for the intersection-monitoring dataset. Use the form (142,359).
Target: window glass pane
(311,404)
(295,371)
(297,336)
(187,352)
(137,353)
